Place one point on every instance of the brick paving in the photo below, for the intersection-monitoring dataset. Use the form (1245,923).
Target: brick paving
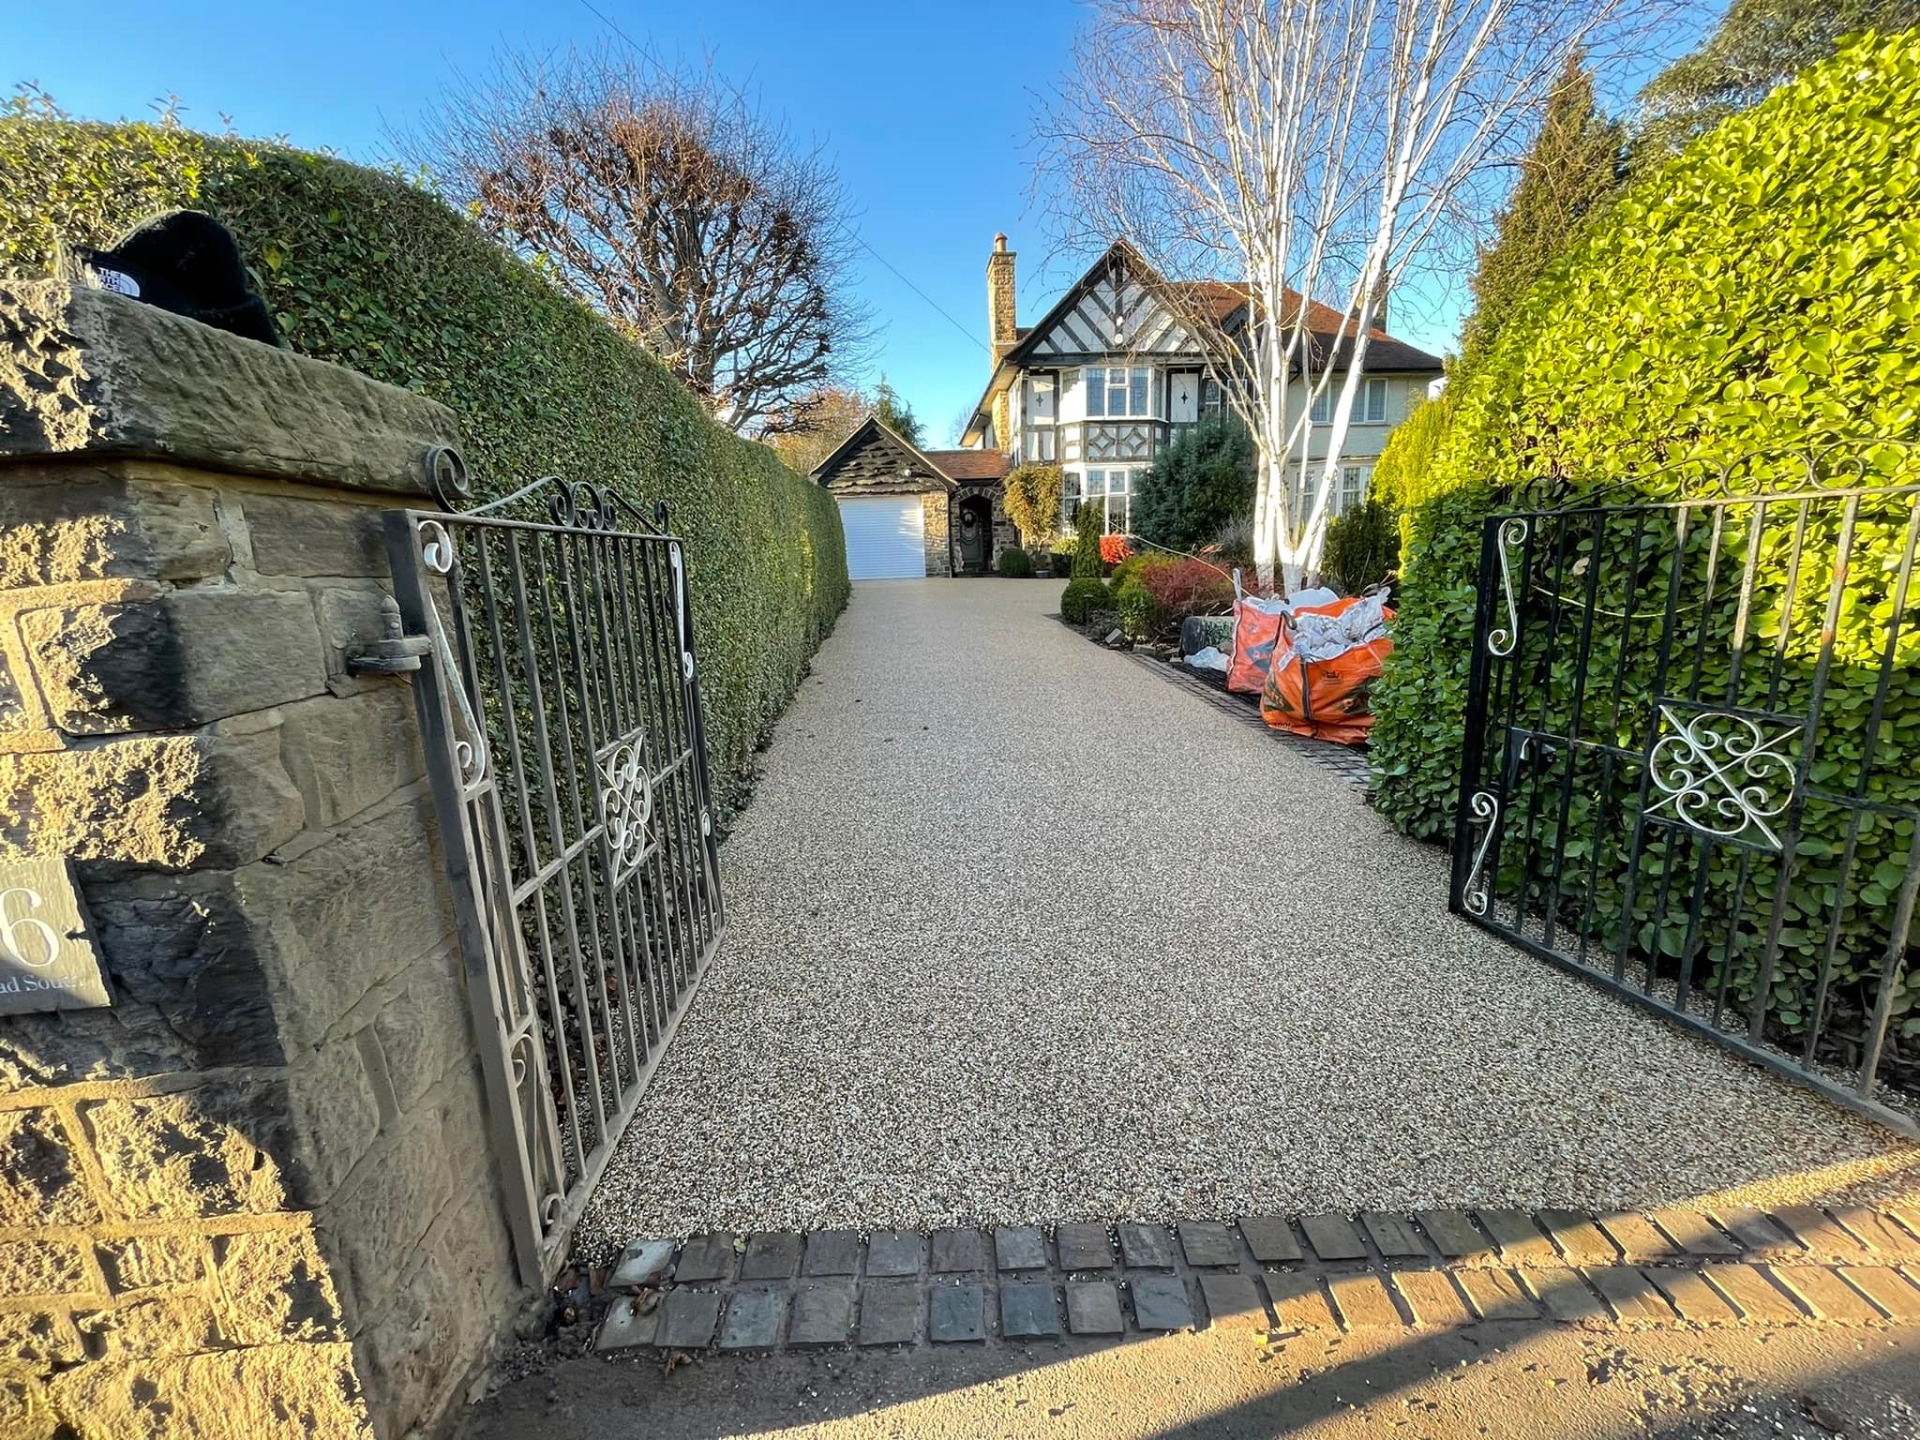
(1799,1265)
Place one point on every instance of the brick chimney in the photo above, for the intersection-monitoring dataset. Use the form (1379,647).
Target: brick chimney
(1000,312)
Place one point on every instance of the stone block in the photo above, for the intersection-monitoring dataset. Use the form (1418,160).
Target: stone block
(181,944)
(348,912)
(1333,1237)
(705,1257)
(41,1182)
(644,1262)
(86,372)
(1298,1300)
(426,1029)
(822,1315)
(1270,1239)
(1020,1247)
(349,752)
(384,1209)
(1208,1243)
(1160,1302)
(1232,1300)
(30,1268)
(688,1319)
(336,1117)
(1083,1247)
(43,1339)
(893,1252)
(627,1326)
(141,1330)
(1093,1308)
(753,1320)
(1564,1294)
(889,1313)
(1579,1239)
(1692,1296)
(1638,1240)
(190,657)
(1496,1295)
(833,1252)
(145,1262)
(305,537)
(1364,1302)
(193,1155)
(1824,1295)
(771,1256)
(955,1251)
(956,1313)
(1393,1235)
(311,1391)
(1756,1297)
(1028,1310)
(1817,1230)
(1146,1247)
(1521,1241)
(1693,1231)
(1629,1292)
(1887,1288)
(1430,1295)
(63,523)
(1454,1236)
(274,1285)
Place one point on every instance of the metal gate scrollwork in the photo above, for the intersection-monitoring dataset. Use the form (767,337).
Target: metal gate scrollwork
(559,701)
(1691,766)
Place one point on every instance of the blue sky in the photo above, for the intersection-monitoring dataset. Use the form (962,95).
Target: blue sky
(927,110)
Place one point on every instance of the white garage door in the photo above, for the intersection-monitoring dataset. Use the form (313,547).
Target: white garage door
(885,538)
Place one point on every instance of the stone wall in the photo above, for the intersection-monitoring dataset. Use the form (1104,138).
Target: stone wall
(253,1197)
(936,509)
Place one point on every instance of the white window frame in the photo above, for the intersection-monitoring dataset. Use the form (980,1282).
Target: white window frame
(1369,406)
(1139,383)
(1107,485)
(1352,491)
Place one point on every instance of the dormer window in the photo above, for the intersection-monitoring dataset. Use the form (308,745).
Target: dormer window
(1119,392)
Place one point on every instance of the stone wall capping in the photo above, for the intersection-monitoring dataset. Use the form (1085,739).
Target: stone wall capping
(88,373)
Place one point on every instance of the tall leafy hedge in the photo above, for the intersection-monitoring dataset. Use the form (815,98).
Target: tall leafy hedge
(1760,292)
(365,269)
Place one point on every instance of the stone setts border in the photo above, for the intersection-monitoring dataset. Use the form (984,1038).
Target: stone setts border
(1434,1269)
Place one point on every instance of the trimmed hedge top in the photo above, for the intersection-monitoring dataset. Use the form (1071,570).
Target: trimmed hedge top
(367,270)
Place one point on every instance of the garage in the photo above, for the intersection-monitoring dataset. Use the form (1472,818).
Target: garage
(886,537)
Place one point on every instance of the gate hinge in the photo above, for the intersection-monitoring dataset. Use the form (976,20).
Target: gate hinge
(394,653)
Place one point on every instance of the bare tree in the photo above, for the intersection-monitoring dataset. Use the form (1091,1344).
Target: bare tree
(669,203)
(1311,151)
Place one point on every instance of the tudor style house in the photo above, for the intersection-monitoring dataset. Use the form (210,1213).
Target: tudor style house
(1098,385)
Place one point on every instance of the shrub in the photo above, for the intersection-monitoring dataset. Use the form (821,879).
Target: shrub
(362,268)
(1198,483)
(1362,547)
(1114,549)
(1084,597)
(1754,294)
(1187,587)
(1086,544)
(1137,611)
(1401,476)
(1015,563)
(1031,495)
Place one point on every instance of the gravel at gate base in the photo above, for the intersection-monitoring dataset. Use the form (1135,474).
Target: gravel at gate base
(1019,933)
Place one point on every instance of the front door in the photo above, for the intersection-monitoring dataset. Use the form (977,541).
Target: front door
(976,535)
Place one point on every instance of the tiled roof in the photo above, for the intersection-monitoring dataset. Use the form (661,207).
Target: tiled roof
(970,464)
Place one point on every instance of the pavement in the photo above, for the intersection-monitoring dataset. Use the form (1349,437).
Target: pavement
(1020,933)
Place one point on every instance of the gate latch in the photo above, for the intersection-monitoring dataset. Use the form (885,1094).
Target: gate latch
(394,653)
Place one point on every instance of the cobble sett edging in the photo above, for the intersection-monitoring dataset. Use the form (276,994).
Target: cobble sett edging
(1433,1269)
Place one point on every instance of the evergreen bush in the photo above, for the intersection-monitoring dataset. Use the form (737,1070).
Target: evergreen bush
(1196,484)
(1015,563)
(1362,547)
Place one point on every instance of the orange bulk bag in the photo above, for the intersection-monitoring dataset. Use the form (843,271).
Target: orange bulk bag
(1331,703)
(1255,634)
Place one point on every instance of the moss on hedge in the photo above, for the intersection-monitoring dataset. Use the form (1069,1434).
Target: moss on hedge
(366,269)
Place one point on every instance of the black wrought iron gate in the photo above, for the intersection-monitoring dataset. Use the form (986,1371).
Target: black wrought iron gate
(560,703)
(1692,759)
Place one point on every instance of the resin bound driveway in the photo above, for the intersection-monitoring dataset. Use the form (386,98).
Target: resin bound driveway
(1021,933)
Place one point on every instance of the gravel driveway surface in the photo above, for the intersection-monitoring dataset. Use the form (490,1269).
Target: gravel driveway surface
(1021,933)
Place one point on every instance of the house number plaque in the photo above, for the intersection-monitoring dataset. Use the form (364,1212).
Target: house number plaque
(47,960)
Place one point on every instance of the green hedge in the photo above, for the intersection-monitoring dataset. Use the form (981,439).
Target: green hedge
(1760,292)
(363,268)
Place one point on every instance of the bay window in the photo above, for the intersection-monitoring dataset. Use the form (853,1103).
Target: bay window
(1119,392)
